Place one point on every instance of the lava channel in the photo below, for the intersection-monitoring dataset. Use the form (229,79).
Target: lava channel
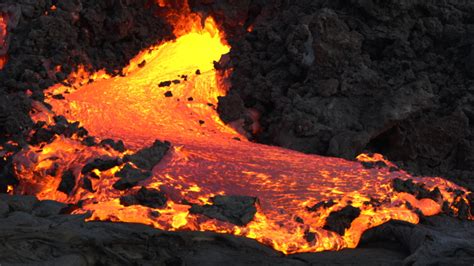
(170,93)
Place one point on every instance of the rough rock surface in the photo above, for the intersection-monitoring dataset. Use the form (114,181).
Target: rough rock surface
(53,239)
(327,77)
(341,220)
(340,77)
(147,158)
(238,210)
(49,39)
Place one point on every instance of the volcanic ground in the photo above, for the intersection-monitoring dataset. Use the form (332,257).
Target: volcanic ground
(246,131)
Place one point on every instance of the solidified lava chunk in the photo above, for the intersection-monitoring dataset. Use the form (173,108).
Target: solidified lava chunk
(142,64)
(58,97)
(61,127)
(198,72)
(371,165)
(118,146)
(101,165)
(168,94)
(146,197)
(309,236)
(418,190)
(129,177)
(7,174)
(68,181)
(238,210)
(147,158)
(339,221)
(299,220)
(463,206)
(89,141)
(201,122)
(176,81)
(48,208)
(87,184)
(190,99)
(322,204)
(164,84)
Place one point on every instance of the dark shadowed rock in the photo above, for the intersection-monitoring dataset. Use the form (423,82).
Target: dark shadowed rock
(116,145)
(336,79)
(339,221)
(149,157)
(20,203)
(164,84)
(238,210)
(418,190)
(68,181)
(146,197)
(322,204)
(4,208)
(48,208)
(130,176)
(231,107)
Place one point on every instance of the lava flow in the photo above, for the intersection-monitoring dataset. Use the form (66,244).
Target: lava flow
(170,92)
(3,38)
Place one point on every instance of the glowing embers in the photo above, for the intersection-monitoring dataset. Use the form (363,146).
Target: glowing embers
(3,39)
(170,93)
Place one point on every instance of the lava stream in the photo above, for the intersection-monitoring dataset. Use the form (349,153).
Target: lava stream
(209,158)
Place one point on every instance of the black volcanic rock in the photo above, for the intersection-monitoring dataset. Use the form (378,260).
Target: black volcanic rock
(101,164)
(335,78)
(116,145)
(146,197)
(164,84)
(418,190)
(48,208)
(339,221)
(238,210)
(68,182)
(18,203)
(130,176)
(81,32)
(149,157)
(322,204)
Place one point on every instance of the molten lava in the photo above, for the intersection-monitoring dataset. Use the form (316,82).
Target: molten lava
(208,158)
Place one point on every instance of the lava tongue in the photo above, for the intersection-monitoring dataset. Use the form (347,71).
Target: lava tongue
(130,176)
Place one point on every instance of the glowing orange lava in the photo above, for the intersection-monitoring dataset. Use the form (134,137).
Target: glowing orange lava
(208,158)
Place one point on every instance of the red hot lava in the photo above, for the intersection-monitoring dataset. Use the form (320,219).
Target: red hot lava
(208,158)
